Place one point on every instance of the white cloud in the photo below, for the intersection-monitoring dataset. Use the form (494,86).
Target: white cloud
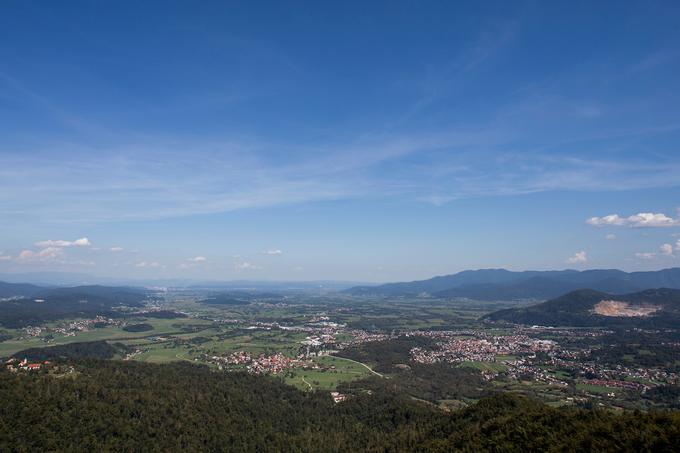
(578,257)
(272,252)
(640,220)
(5,257)
(152,264)
(645,255)
(666,249)
(116,249)
(652,220)
(46,254)
(677,245)
(246,266)
(612,219)
(82,242)
(192,262)
(610,237)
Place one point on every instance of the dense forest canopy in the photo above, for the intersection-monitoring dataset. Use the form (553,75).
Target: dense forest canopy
(127,406)
(59,303)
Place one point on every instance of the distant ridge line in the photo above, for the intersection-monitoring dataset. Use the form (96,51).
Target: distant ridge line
(502,284)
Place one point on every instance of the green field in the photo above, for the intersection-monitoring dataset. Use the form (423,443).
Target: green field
(161,327)
(344,371)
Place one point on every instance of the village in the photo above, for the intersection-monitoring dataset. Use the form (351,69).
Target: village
(525,358)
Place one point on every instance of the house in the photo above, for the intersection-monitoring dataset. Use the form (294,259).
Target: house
(338,397)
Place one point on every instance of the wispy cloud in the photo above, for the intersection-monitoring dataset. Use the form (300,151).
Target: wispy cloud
(148,264)
(46,254)
(82,242)
(645,255)
(192,262)
(246,266)
(136,182)
(657,58)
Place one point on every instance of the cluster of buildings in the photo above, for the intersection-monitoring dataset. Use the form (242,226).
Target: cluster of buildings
(361,336)
(338,397)
(261,364)
(15,365)
(483,348)
(31,331)
(71,328)
(527,358)
(630,385)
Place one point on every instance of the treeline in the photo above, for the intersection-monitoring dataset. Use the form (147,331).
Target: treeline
(73,351)
(128,406)
(161,314)
(143,327)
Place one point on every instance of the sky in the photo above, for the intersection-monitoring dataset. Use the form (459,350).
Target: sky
(362,141)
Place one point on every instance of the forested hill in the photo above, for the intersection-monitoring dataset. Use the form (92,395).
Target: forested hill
(128,406)
(501,284)
(653,308)
(79,301)
(8,290)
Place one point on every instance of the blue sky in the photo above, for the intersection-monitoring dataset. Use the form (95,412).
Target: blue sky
(364,141)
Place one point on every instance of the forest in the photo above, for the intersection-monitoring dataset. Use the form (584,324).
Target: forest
(95,405)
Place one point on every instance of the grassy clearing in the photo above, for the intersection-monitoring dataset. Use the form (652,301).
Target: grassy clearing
(338,370)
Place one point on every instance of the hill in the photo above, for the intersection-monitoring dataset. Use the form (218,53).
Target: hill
(653,308)
(79,301)
(127,406)
(8,290)
(73,351)
(501,284)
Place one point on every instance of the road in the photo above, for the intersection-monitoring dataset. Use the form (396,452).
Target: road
(364,365)
(305,381)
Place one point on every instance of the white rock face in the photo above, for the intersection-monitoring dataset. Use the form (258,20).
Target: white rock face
(620,309)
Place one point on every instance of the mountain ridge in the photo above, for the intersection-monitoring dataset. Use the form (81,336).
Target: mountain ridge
(500,284)
(651,308)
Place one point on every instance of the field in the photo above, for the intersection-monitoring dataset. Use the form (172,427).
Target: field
(341,370)
(113,334)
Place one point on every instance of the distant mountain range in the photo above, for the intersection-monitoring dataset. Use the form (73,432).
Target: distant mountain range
(652,308)
(501,284)
(50,279)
